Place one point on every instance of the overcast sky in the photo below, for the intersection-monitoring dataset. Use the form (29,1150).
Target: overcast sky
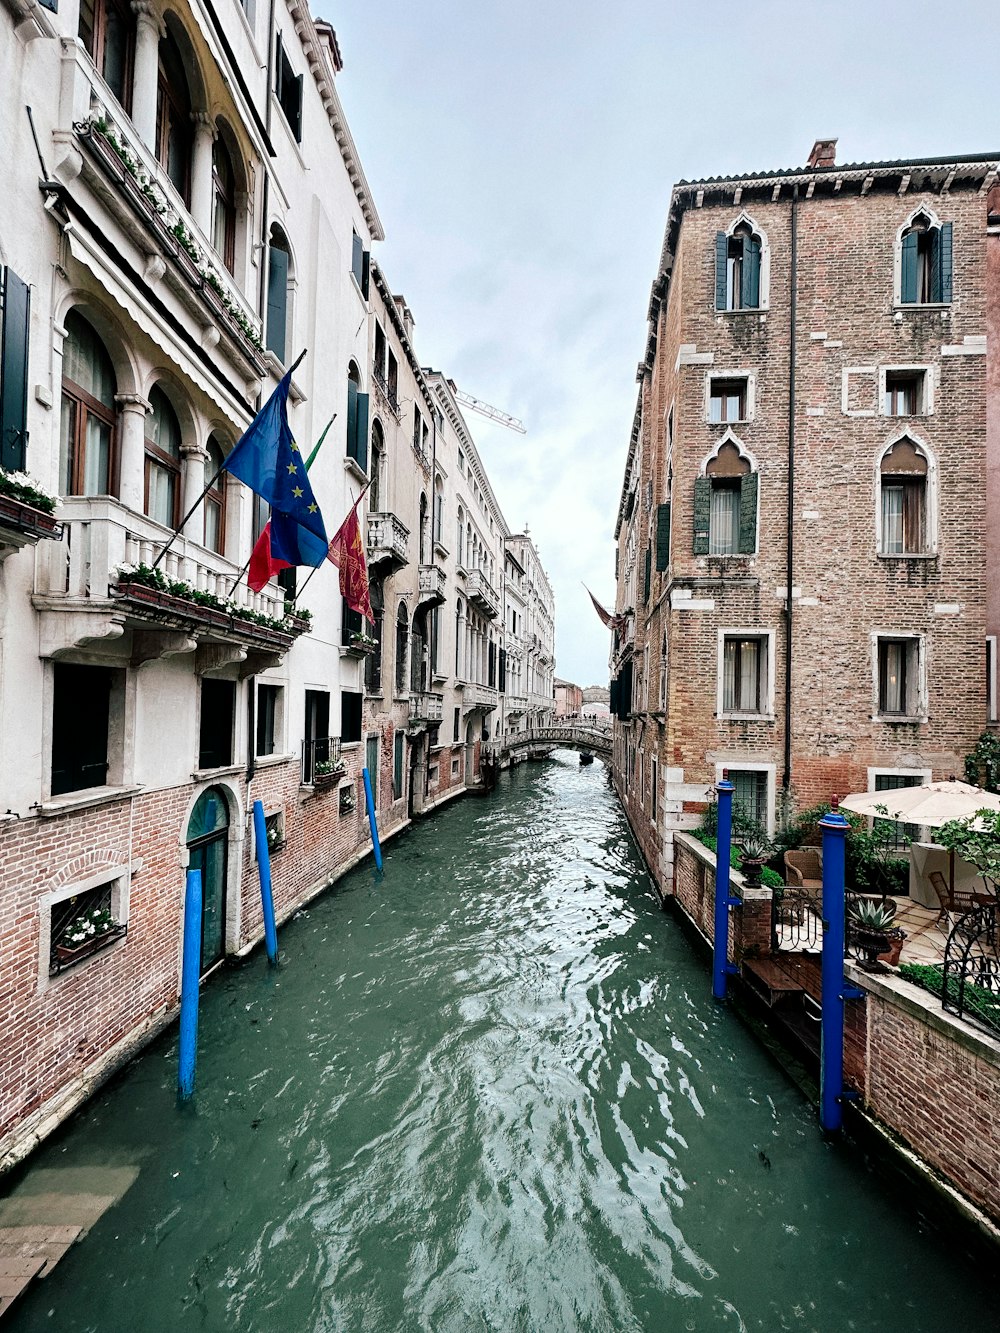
(521,157)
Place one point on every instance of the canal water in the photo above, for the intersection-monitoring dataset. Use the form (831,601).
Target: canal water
(488,1091)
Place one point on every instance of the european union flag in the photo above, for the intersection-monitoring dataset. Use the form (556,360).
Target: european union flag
(267,459)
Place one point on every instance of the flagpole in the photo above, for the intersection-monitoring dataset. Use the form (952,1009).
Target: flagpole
(215,477)
(300,591)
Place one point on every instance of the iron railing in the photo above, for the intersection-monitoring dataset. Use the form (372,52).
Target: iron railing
(970,986)
(321,751)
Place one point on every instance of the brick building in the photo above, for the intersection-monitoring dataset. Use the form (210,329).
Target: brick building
(810,421)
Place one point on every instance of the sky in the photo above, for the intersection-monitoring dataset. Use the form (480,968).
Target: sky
(521,157)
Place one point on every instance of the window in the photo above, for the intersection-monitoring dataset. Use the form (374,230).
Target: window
(223,204)
(350,716)
(899,691)
(214,535)
(904,393)
(750,793)
(402,635)
(653,777)
(456,725)
(378,360)
(460,534)
(373,661)
(397,765)
(903,500)
(418,428)
(378,453)
(727,400)
(738,269)
(360,264)
(725,505)
(744,674)
(81,725)
(174,135)
(438,511)
(392,381)
(87,428)
(107,30)
(215,733)
(357,419)
(371,763)
(163,461)
(268,718)
(278,269)
(991,678)
(925,262)
(316,742)
(288,90)
(83,923)
(898,836)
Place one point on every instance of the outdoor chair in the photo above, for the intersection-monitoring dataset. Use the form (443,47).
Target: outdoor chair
(951,901)
(804,868)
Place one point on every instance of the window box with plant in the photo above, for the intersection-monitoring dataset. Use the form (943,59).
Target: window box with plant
(26,508)
(327,772)
(89,932)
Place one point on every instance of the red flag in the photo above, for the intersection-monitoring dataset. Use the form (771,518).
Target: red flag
(612,622)
(263,565)
(347,552)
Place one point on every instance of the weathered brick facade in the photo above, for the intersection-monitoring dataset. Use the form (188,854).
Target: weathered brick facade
(872,611)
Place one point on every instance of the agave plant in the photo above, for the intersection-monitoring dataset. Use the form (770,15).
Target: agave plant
(873,914)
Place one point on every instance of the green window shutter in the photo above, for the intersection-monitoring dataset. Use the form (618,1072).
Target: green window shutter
(702,513)
(14,372)
(648,574)
(357,257)
(362,432)
(277,300)
(721,256)
(943,263)
(748,514)
(750,294)
(662,536)
(295,120)
(366,269)
(908,269)
(613,701)
(352,419)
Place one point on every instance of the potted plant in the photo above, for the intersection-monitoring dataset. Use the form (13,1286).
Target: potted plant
(757,849)
(326,772)
(871,920)
(86,933)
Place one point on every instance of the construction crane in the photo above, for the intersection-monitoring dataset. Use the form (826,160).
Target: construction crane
(494,413)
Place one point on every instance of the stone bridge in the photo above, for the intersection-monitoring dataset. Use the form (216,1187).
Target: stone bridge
(573,734)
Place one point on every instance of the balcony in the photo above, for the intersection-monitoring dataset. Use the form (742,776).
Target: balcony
(386,393)
(426,708)
(86,598)
(516,704)
(479,697)
(482,594)
(104,149)
(433,583)
(387,541)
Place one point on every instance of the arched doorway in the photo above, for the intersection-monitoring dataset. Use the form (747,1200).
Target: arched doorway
(208,848)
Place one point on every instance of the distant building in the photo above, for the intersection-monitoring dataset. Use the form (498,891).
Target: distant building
(569,699)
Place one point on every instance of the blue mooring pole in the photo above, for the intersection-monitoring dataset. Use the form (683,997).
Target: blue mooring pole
(721,967)
(831,1061)
(370,803)
(264,871)
(190,972)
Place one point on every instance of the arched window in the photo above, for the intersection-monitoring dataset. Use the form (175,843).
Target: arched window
(223,204)
(163,460)
(174,129)
(278,273)
(215,501)
(725,504)
(460,547)
(107,30)
(87,444)
(373,661)
(438,511)
(357,418)
(903,500)
(739,267)
(208,847)
(423,529)
(378,453)
(459,635)
(402,634)
(925,261)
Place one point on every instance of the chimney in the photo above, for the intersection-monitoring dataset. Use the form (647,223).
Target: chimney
(824,153)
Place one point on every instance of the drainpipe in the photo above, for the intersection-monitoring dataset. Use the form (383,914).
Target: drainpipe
(786,779)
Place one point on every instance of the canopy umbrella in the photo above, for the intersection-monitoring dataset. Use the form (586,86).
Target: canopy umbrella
(931,804)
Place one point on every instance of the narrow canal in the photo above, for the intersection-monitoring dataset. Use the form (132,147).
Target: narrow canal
(488,1092)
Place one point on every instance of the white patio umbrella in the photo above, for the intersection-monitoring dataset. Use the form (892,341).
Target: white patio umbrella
(931,804)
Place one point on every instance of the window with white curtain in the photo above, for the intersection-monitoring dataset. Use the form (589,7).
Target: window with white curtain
(744,674)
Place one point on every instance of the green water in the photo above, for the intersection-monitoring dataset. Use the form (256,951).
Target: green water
(490,1091)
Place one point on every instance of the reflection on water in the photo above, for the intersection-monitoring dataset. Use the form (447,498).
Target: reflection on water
(489,1091)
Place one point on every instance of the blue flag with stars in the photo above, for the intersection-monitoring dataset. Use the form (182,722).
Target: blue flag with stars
(267,459)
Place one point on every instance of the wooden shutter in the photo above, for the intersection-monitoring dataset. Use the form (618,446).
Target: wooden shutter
(361,432)
(750,295)
(748,514)
(14,372)
(613,701)
(721,257)
(277,300)
(647,574)
(366,269)
(295,108)
(908,269)
(279,66)
(502,682)
(702,513)
(357,251)
(943,263)
(662,536)
(352,419)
